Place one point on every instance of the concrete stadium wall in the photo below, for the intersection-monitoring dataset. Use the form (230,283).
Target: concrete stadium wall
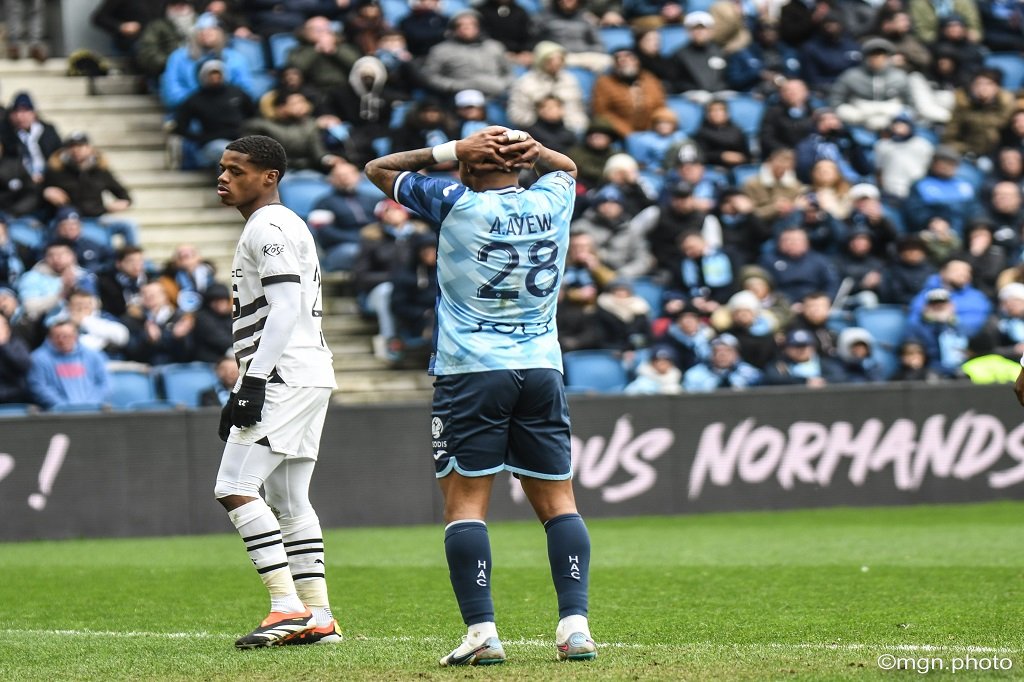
(65,476)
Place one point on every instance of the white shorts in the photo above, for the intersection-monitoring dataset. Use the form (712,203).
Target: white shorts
(292,421)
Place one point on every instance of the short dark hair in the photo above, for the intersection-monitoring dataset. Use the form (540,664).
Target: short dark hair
(263,152)
(126,251)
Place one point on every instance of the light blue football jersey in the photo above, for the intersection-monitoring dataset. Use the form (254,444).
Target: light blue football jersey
(500,261)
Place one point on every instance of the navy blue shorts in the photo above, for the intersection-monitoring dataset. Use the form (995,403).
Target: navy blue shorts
(512,419)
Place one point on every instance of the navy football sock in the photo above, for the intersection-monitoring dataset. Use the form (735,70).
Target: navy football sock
(569,555)
(468,550)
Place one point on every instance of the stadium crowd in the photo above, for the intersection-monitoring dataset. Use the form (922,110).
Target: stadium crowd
(804,192)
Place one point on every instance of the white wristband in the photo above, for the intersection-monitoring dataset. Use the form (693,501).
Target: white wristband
(443,153)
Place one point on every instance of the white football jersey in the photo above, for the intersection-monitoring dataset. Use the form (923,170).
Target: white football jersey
(276,246)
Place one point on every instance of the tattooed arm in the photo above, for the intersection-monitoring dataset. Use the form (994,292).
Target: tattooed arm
(487,147)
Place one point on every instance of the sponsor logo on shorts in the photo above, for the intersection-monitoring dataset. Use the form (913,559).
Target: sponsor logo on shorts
(436,427)
(437,455)
(273,249)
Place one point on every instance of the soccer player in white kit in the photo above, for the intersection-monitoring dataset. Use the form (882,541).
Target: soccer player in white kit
(272,422)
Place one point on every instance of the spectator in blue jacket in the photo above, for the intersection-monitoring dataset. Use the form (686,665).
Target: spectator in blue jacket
(208,41)
(797,270)
(337,218)
(972,307)
(725,369)
(828,53)
(48,283)
(763,65)
(64,372)
(941,194)
(11,265)
(830,139)
(939,331)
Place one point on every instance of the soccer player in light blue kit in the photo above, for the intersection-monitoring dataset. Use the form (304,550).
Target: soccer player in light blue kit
(499,402)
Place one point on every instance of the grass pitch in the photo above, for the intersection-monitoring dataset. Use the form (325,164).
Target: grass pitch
(811,595)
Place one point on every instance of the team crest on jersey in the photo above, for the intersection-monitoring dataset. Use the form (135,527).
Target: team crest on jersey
(273,249)
(436,427)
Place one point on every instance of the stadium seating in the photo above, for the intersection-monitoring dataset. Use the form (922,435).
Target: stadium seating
(130,386)
(182,383)
(301,192)
(698,5)
(93,230)
(887,323)
(888,359)
(1012,67)
(672,38)
(78,407)
(617,38)
(151,406)
(969,172)
(689,113)
(394,10)
(586,79)
(281,44)
(593,371)
(25,234)
(652,292)
(746,112)
(253,52)
(740,174)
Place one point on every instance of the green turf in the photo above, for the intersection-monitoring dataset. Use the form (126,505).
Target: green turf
(813,595)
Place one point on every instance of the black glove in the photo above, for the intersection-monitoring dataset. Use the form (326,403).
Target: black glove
(224,428)
(247,406)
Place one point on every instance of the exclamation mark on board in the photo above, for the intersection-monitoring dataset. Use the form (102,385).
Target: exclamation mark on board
(48,473)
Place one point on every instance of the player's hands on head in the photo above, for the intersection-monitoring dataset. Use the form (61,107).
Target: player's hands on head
(247,407)
(498,148)
(520,151)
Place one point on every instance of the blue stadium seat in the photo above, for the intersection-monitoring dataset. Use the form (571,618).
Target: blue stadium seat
(253,52)
(24,233)
(368,189)
(182,383)
(887,323)
(531,6)
(1012,67)
(78,407)
(381,146)
(654,179)
(673,37)
(698,5)
(586,78)
(888,359)
(281,44)
(130,386)
(590,371)
(969,172)
(649,148)
(689,113)
(262,82)
(496,114)
(301,192)
(616,38)
(740,174)
(92,229)
(452,7)
(394,10)
(746,112)
(398,113)
(15,409)
(151,406)
(652,292)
